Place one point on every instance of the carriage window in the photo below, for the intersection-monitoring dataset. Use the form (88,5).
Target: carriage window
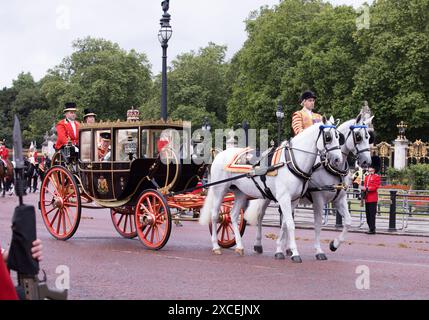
(126,144)
(103,146)
(145,144)
(167,138)
(85,146)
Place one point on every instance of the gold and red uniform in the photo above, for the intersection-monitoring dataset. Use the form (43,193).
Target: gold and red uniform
(303,119)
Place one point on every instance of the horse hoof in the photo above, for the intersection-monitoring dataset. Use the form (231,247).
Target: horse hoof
(321,257)
(289,253)
(332,247)
(217,252)
(240,252)
(258,249)
(296,259)
(279,256)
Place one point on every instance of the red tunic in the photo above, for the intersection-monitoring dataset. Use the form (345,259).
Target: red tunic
(64,132)
(4,153)
(372,183)
(7,290)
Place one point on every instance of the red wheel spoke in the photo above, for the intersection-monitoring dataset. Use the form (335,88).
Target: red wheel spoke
(152,234)
(64,222)
(126,223)
(68,216)
(157,235)
(119,222)
(147,232)
(150,205)
(70,204)
(55,218)
(59,221)
(223,234)
(145,209)
(50,211)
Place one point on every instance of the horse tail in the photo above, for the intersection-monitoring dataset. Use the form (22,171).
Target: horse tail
(253,211)
(205,216)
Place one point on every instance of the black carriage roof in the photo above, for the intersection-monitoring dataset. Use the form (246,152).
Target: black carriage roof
(149,124)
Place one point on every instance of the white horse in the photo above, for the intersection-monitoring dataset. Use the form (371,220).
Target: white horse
(322,185)
(288,186)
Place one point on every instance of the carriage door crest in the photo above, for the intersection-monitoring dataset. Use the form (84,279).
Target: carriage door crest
(103,187)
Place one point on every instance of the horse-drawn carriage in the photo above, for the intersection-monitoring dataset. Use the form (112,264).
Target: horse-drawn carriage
(141,178)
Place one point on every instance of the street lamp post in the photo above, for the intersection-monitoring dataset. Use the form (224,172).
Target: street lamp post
(164,35)
(246,131)
(280,115)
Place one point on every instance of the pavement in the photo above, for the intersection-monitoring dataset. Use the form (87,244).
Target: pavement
(101,265)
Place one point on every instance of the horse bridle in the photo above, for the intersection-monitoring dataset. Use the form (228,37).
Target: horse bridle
(357,138)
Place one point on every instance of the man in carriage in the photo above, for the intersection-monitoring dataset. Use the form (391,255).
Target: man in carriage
(305,117)
(104,149)
(68,128)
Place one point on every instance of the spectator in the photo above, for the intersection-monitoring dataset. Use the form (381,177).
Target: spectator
(7,289)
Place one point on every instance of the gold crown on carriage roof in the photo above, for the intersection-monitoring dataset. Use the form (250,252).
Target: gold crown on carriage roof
(133,115)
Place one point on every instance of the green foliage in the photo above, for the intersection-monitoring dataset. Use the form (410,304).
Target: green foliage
(394,77)
(417,176)
(198,87)
(298,45)
(99,75)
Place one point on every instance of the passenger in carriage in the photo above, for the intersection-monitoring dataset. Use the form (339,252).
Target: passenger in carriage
(104,149)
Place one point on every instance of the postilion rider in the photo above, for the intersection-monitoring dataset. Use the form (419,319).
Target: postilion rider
(305,117)
(68,128)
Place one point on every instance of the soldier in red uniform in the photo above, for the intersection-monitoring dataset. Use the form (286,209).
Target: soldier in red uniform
(68,129)
(4,154)
(370,188)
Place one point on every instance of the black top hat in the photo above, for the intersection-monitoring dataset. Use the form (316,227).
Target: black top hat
(70,106)
(88,113)
(308,95)
(106,136)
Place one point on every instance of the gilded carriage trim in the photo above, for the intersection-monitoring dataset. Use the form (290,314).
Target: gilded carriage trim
(123,124)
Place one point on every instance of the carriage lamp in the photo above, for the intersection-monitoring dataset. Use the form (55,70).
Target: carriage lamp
(280,115)
(130,147)
(164,35)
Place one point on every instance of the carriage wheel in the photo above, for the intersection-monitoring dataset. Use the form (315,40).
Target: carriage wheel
(60,203)
(153,220)
(123,221)
(225,233)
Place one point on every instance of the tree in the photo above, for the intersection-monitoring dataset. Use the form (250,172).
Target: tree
(296,46)
(197,87)
(100,75)
(394,78)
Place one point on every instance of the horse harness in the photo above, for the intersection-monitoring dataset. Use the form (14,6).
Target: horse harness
(293,165)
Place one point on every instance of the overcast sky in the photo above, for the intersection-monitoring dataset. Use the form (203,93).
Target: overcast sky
(37,35)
